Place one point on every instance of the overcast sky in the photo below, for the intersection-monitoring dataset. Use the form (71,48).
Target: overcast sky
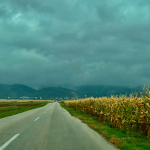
(75,42)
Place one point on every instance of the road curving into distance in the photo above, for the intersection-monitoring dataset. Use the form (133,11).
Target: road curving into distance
(49,128)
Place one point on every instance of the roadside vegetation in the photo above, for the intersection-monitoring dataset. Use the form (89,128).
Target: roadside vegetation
(124,121)
(12,108)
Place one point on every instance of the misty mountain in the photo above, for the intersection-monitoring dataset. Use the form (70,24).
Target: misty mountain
(102,90)
(18,90)
(52,92)
(22,91)
(15,91)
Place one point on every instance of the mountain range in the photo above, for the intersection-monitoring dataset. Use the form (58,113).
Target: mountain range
(17,91)
(105,90)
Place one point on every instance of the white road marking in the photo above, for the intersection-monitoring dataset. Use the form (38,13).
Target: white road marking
(8,142)
(36,118)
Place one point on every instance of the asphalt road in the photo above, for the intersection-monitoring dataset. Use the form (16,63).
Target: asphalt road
(49,128)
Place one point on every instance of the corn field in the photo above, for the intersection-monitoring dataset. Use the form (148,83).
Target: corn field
(129,113)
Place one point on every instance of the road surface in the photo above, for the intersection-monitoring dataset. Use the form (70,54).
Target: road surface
(49,128)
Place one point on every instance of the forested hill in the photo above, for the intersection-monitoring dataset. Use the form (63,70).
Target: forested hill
(15,91)
(22,91)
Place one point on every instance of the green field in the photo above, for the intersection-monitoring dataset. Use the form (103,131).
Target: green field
(12,108)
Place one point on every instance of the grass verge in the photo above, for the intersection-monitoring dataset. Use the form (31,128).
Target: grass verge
(125,140)
(12,108)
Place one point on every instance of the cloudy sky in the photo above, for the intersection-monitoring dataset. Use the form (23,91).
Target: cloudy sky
(75,42)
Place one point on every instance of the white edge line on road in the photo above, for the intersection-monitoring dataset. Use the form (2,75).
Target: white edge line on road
(8,142)
(37,118)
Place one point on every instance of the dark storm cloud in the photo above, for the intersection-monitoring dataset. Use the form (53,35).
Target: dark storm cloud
(67,42)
